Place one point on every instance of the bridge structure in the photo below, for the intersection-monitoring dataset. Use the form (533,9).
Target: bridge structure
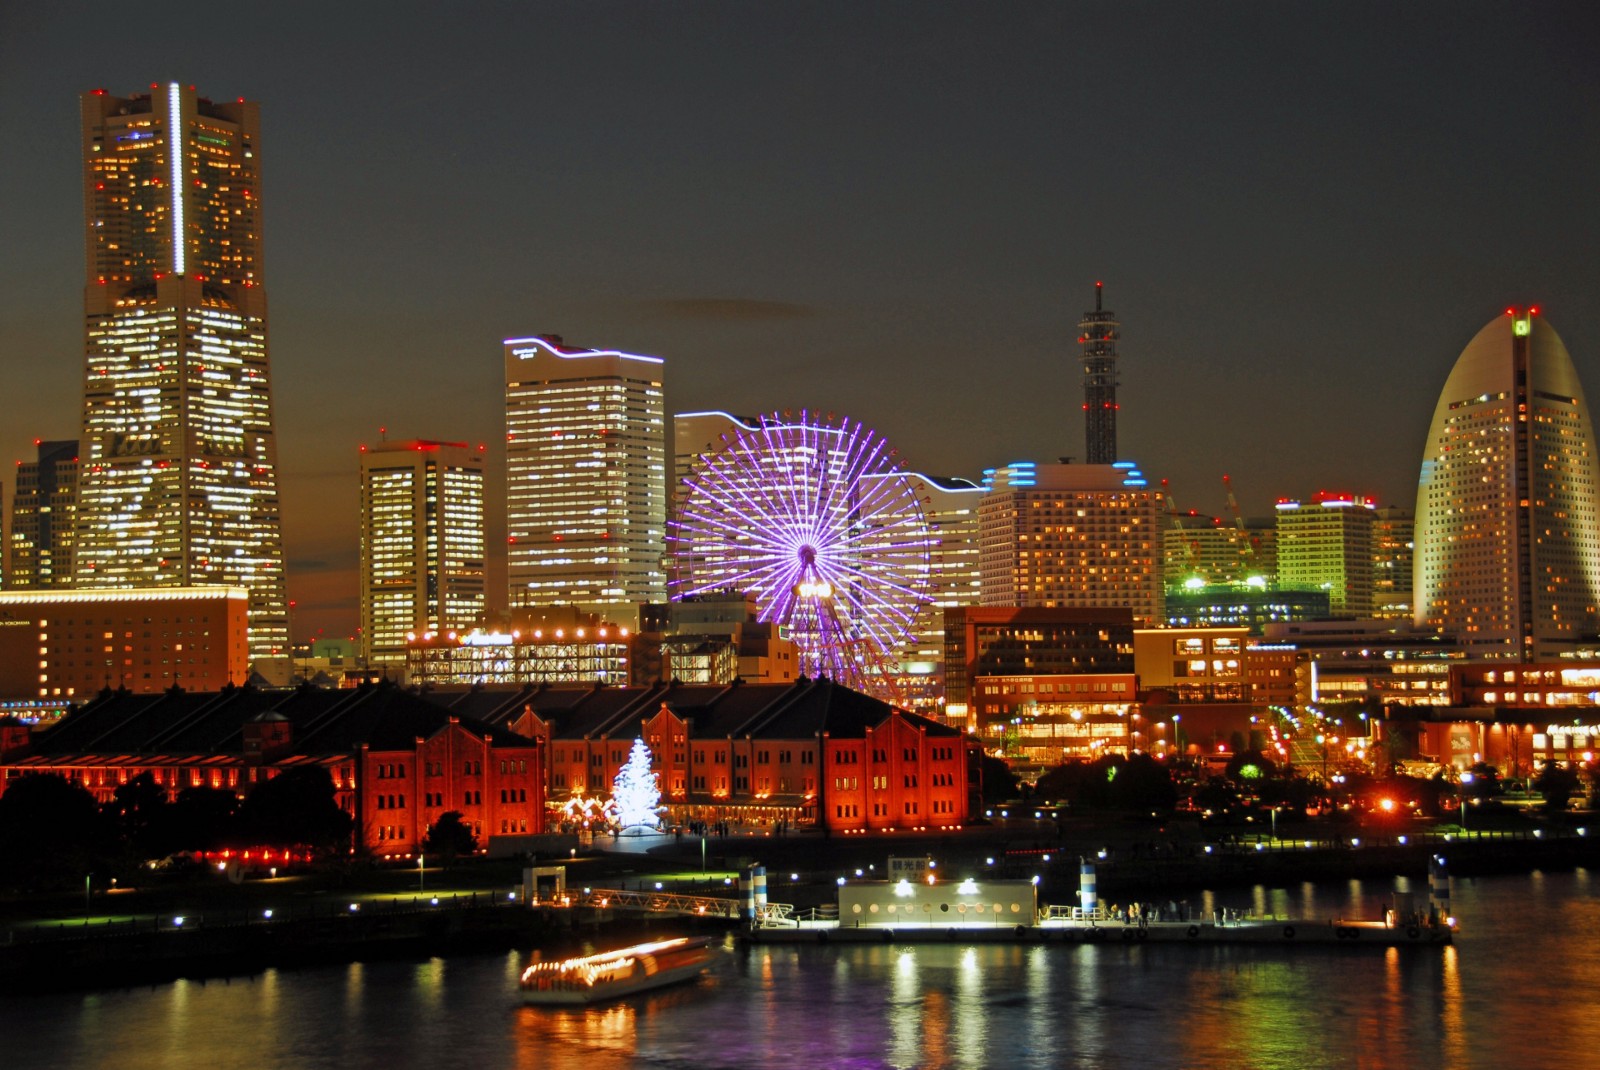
(698,906)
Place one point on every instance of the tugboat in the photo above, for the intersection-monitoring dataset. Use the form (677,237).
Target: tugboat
(614,974)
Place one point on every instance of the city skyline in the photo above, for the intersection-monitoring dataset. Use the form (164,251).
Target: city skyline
(1298,220)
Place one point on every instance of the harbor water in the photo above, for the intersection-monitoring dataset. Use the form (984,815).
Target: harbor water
(1516,989)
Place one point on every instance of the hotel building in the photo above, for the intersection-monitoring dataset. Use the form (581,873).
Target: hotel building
(1071,536)
(586,476)
(1507,554)
(178,478)
(69,645)
(422,543)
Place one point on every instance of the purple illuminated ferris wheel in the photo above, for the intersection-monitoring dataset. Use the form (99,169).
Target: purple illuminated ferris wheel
(819,523)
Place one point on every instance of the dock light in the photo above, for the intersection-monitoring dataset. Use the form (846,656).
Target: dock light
(841,882)
(267,914)
(1308,845)
(988,861)
(1260,846)
(1102,854)
(1583,830)
(177,922)
(1035,879)
(273,872)
(354,907)
(858,873)
(434,901)
(512,896)
(222,867)
(658,886)
(1537,833)
(586,891)
(1208,851)
(1355,842)
(794,876)
(1402,841)
(1047,858)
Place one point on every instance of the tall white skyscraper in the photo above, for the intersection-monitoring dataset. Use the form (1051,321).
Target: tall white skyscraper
(586,475)
(178,475)
(1507,542)
(422,543)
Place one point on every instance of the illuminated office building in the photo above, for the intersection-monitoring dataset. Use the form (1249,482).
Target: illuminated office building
(1326,544)
(586,475)
(1071,535)
(43,510)
(422,543)
(178,478)
(1507,555)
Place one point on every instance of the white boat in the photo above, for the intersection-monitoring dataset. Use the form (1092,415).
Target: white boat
(614,974)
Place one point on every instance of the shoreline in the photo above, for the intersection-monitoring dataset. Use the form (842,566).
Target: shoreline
(80,957)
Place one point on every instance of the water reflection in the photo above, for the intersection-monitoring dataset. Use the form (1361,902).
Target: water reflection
(1513,991)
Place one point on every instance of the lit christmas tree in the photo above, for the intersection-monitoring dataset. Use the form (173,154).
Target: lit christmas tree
(635,794)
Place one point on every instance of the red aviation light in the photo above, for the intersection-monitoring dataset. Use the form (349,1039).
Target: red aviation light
(97,92)
(1534,311)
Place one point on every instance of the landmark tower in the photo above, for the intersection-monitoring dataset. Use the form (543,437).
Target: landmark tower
(1097,334)
(178,476)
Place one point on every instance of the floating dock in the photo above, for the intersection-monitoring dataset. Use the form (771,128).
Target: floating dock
(917,907)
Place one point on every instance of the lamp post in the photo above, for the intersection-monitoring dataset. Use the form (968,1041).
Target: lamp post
(420,878)
(1466,779)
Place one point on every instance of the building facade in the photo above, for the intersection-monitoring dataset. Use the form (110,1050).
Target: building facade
(178,479)
(586,475)
(44,509)
(1071,536)
(1326,544)
(1507,554)
(422,544)
(70,645)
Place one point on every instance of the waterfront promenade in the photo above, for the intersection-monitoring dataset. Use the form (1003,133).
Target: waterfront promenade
(212,926)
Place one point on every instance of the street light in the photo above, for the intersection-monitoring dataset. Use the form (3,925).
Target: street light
(1466,779)
(420,877)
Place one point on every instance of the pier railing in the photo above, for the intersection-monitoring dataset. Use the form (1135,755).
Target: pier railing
(666,903)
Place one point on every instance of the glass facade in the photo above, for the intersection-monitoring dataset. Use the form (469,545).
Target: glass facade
(178,480)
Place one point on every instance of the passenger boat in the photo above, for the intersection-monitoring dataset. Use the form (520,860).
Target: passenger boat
(614,974)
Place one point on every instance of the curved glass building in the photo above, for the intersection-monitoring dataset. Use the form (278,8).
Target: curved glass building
(1507,540)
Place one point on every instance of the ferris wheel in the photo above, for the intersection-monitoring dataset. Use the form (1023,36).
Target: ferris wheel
(819,523)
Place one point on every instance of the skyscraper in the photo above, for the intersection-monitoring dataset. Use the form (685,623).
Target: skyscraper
(178,480)
(1069,536)
(43,509)
(586,476)
(1326,544)
(1097,334)
(422,543)
(1507,554)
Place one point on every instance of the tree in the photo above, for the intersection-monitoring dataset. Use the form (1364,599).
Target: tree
(139,811)
(1556,784)
(296,808)
(202,819)
(450,837)
(635,793)
(999,782)
(52,834)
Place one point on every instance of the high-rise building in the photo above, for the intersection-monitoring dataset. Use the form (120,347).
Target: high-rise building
(1326,544)
(1205,551)
(586,475)
(422,543)
(178,479)
(1507,554)
(1393,531)
(43,511)
(1071,535)
(1097,335)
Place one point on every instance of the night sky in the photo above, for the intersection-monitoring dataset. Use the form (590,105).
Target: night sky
(892,211)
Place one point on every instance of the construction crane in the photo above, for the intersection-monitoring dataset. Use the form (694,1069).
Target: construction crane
(1246,548)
